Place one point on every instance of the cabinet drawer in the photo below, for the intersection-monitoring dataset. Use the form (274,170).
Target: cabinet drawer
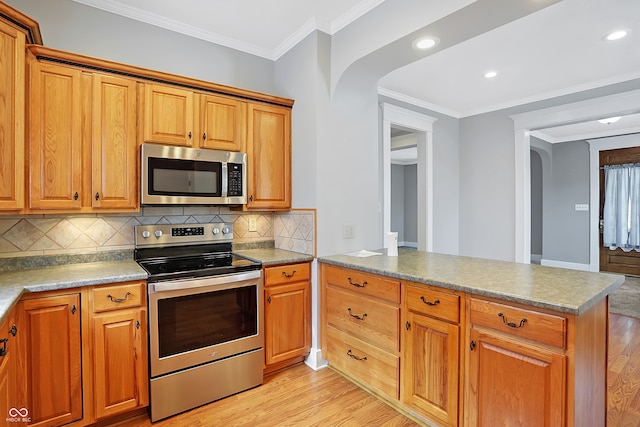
(528,324)
(114,297)
(287,274)
(365,363)
(433,303)
(363,283)
(372,321)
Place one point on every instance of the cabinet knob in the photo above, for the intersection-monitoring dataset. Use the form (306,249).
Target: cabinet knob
(251,198)
(189,135)
(73,309)
(14,330)
(204,136)
(97,196)
(75,196)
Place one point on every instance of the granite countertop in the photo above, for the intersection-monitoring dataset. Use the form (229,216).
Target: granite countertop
(272,256)
(567,291)
(14,283)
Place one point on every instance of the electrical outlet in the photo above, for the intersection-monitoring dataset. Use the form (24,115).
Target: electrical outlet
(582,206)
(348,231)
(253,223)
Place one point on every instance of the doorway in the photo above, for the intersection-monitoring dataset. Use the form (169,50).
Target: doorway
(404,186)
(422,126)
(617,260)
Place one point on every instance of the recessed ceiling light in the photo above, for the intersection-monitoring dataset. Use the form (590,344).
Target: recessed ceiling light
(609,120)
(616,35)
(425,43)
(490,74)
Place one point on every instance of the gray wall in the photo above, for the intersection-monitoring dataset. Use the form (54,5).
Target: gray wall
(397,200)
(74,27)
(411,204)
(404,202)
(536,203)
(566,231)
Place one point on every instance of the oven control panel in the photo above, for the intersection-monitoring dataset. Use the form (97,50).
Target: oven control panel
(187,231)
(182,234)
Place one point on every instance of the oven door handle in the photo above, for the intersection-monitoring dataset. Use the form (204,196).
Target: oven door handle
(225,279)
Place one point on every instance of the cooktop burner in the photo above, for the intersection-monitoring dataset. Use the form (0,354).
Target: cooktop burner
(173,252)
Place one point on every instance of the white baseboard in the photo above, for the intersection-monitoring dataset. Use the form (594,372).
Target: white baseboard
(564,264)
(315,361)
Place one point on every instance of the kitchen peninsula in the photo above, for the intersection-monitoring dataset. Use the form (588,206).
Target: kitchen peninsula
(455,340)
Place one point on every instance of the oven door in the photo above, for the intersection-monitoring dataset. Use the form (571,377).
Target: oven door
(196,321)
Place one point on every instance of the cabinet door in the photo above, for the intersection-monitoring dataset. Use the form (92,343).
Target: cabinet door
(8,353)
(50,351)
(514,384)
(12,107)
(121,379)
(222,123)
(114,145)
(269,157)
(287,333)
(55,137)
(168,115)
(431,367)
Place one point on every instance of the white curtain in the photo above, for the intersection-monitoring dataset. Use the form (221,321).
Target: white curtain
(621,228)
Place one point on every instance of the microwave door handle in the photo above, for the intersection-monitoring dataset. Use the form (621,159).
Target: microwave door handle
(225,180)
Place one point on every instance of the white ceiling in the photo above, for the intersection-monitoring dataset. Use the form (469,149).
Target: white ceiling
(555,51)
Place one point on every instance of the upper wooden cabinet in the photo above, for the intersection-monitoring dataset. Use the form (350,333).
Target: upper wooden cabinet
(12,104)
(268,157)
(114,148)
(55,137)
(222,123)
(83,147)
(177,116)
(169,115)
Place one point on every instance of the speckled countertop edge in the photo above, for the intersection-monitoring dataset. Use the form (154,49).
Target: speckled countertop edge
(274,256)
(557,289)
(14,283)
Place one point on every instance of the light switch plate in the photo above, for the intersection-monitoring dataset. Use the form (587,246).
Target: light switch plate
(348,231)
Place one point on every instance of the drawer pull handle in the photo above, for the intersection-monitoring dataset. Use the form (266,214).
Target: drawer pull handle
(356,284)
(3,350)
(119,299)
(511,324)
(355,316)
(436,302)
(288,276)
(353,356)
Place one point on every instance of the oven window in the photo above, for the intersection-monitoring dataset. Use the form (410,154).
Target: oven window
(202,320)
(184,177)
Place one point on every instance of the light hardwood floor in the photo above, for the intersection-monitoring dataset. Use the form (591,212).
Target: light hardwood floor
(303,397)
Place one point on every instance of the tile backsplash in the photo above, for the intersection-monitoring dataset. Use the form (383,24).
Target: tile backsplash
(33,235)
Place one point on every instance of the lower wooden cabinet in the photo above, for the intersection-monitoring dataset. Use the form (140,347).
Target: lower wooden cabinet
(120,377)
(431,367)
(431,355)
(50,359)
(287,296)
(81,354)
(514,382)
(9,406)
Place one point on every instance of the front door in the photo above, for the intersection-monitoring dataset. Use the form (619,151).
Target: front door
(617,261)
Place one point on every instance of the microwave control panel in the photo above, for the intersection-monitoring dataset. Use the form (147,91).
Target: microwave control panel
(234,179)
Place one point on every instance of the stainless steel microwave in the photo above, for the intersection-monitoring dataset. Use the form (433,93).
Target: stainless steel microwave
(192,176)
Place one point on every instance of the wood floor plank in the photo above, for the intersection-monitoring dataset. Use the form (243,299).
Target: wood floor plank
(302,397)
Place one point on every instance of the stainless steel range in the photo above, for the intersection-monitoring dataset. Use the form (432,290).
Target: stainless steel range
(206,335)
